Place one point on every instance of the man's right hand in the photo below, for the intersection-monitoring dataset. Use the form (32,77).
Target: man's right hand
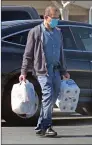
(22,78)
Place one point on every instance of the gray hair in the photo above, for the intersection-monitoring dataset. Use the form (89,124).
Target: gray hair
(48,9)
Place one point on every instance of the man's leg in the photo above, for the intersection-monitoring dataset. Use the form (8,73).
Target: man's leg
(45,118)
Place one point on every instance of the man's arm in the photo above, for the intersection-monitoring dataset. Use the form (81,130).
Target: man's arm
(28,54)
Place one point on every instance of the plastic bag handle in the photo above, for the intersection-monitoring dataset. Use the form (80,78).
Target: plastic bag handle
(24,82)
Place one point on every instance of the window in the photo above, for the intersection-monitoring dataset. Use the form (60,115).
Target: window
(68,41)
(20,38)
(14,15)
(83,37)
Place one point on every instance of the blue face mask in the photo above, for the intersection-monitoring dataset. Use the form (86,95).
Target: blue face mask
(53,23)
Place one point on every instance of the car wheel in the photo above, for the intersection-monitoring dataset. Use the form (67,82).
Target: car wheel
(24,119)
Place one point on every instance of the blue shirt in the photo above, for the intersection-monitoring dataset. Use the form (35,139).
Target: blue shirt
(52,46)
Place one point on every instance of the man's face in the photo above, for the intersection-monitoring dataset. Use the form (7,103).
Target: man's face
(53,15)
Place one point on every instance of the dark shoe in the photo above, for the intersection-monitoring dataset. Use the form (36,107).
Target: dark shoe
(40,132)
(38,128)
(50,132)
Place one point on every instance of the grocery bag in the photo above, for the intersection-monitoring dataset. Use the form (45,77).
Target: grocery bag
(68,97)
(23,98)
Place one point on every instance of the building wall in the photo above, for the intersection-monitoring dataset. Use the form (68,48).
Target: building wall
(76,13)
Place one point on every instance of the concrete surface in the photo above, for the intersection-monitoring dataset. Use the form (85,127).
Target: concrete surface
(79,134)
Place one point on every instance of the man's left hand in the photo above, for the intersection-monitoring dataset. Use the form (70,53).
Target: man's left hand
(66,76)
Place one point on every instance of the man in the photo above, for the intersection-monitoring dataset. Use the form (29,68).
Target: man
(44,53)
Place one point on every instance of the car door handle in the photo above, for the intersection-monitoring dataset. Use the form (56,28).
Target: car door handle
(91,61)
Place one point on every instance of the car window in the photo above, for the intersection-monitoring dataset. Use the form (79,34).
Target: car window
(68,41)
(20,38)
(34,13)
(83,37)
(14,15)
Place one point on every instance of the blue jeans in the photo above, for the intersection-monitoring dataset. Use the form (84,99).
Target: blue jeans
(50,85)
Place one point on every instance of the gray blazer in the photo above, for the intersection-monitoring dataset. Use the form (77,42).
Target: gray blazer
(34,57)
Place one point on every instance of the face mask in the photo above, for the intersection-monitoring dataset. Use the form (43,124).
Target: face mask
(53,23)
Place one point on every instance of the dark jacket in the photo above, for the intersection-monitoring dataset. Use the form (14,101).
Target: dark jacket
(34,57)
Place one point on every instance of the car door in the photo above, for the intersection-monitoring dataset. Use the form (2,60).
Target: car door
(77,62)
(12,51)
(91,70)
(85,35)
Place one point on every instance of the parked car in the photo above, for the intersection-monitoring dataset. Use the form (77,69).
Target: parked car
(77,42)
(9,13)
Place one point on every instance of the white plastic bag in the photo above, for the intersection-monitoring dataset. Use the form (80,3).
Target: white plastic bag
(23,99)
(69,95)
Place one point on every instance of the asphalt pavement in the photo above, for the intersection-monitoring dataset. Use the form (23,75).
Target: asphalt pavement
(69,132)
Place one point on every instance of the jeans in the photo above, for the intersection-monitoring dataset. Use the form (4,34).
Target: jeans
(50,85)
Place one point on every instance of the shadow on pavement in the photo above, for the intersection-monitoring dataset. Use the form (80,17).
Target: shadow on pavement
(72,122)
(72,136)
(56,122)
(68,136)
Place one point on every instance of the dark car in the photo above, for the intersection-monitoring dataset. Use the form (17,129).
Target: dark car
(9,13)
(77,42)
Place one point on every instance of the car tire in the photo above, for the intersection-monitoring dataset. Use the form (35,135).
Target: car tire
(8,115)
(84,109)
